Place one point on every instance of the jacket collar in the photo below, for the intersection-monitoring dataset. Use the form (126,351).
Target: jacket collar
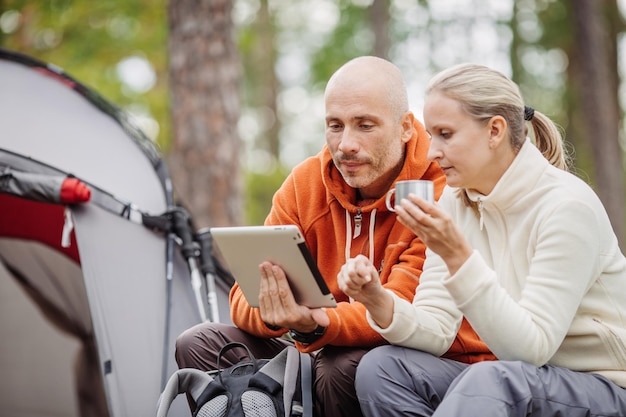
(517,181)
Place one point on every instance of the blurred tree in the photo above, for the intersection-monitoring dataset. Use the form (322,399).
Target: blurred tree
(257,46)
(205,72)
(379,18)
(594,75)
(587,32)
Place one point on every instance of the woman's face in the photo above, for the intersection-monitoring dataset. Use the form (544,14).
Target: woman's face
(462,146)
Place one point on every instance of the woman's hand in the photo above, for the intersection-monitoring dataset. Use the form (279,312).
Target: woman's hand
(359,279)
(436,229)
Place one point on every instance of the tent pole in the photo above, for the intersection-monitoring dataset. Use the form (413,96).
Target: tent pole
(169,250)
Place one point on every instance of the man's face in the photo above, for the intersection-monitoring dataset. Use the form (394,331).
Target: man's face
(365,138)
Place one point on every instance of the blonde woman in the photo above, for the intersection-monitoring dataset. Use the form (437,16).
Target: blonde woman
(518,246)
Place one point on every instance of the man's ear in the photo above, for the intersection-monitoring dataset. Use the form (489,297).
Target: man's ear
(407,126)
(497,131)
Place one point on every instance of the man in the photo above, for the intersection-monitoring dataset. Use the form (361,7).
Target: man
(337,198)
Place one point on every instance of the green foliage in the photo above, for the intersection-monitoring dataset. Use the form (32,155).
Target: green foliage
(343,43)
(555,17)
(89,39)
(260,189)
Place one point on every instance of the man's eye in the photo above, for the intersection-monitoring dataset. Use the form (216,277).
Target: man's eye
(366,126)
(334,126)
(445,134)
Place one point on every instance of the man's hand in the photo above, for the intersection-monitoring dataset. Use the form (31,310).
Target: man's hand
(278,306)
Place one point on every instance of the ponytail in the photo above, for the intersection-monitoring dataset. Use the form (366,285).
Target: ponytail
(549,141)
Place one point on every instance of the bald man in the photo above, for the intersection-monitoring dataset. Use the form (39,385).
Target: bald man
(337,198)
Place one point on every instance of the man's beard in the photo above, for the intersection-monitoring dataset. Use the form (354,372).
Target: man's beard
(357,180)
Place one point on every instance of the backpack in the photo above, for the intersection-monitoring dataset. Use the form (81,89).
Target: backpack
(277,387)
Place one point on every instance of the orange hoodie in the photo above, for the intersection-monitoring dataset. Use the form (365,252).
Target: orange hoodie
(317,199)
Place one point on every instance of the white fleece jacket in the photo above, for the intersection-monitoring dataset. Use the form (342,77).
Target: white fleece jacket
(546,282)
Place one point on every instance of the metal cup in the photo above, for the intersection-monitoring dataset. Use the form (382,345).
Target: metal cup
(422,188)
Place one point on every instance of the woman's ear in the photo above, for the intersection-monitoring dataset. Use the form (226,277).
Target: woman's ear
(497,131)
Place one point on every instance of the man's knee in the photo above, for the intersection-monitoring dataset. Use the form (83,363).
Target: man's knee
(335,369)
(185,340)
(334,364)
(197,347)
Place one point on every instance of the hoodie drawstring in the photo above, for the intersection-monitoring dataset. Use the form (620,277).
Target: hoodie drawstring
(371,237)
(358,218)
(348,235)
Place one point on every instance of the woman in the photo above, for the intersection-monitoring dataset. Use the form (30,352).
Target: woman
(518,246)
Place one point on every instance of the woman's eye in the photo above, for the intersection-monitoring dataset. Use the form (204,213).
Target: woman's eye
(445,134)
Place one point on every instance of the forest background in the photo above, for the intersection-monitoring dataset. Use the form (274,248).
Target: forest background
(231,91)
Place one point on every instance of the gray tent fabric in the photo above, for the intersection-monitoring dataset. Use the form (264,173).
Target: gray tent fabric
(91,297)
(129,305)
(32,344)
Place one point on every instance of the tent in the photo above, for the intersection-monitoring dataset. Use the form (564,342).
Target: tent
(100,269)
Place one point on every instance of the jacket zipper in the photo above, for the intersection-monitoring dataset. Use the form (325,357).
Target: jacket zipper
(480,212)
(358,217)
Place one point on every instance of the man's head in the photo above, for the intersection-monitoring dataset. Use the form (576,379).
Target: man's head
(368,123)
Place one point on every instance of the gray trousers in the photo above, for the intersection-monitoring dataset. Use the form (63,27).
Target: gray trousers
(334,367)
(396,381)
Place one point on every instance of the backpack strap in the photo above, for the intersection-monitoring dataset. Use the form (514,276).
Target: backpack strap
(285,368)
(306,382)
(187,380)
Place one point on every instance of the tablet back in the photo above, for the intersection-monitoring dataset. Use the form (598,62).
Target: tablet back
(244,248)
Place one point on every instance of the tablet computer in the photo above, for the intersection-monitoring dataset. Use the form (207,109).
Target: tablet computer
(244,248)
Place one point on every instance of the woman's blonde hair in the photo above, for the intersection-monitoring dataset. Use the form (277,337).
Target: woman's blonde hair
(484,93)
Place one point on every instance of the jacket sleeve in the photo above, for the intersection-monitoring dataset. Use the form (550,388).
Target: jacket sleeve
(432,321)
(561,271)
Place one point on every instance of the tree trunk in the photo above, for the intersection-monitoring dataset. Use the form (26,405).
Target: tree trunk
(205,72)
(379,17)
(267,83)
(594,69)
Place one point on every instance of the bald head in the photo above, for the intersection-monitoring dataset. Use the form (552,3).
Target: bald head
(377,76)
